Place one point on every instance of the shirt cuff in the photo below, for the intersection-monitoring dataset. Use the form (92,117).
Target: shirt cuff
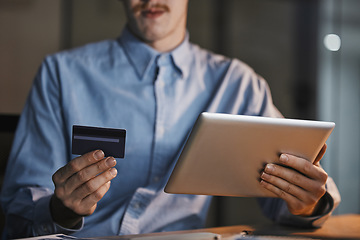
(286,218)
(43,222)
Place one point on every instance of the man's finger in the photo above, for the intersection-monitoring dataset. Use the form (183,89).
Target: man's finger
(303,166)
(77,164)
(89,172)
(290,176)
(92,199)
(94,184)
(281,193)
(320,155)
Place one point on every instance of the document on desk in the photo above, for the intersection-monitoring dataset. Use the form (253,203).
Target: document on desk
(170,236)
(254,237)
(181,236)
(50,237)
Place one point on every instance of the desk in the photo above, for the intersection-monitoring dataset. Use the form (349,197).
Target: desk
(336,227)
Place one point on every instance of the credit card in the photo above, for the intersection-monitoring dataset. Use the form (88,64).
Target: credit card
(110,140)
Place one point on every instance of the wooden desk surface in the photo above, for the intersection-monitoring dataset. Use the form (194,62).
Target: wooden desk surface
(336,227)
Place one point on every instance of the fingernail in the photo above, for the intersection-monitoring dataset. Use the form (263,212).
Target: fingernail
(284,158)
(110,162)
(269,168)
(113,171)
(264,176)
(99,155)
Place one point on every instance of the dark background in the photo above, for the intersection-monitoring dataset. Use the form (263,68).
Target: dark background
(281,39)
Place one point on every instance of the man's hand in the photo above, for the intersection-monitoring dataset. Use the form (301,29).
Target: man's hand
(297,181)
(79,185)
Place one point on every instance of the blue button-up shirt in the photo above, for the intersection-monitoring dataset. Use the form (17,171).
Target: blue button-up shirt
(126,84)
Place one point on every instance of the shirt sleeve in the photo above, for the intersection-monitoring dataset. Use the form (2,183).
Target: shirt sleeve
(39,149)
(18,225)
(241,91)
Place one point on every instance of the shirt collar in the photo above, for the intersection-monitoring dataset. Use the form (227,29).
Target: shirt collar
(181,57)
(142,56)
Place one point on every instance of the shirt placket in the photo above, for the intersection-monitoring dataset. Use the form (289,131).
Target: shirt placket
(143,196)
(163,88)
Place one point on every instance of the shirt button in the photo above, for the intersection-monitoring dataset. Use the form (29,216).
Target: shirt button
(162,58)
(161,131)
(44,229)
(156,179)
(136,205)
(160,83)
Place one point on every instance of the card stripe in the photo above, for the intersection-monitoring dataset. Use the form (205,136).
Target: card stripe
(101,139)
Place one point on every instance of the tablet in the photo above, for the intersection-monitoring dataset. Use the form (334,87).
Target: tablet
(225,154)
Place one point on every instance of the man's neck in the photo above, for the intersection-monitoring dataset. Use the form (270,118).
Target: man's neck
(167,44)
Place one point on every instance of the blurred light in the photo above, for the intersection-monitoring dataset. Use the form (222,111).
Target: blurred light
(332,42)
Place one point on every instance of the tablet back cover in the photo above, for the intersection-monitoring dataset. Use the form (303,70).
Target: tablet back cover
(225,154)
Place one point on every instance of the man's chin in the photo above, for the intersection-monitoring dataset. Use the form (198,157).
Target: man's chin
(152,35)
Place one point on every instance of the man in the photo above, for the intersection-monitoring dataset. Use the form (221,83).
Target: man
(154,83)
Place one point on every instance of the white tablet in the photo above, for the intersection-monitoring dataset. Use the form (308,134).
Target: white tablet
(225,154)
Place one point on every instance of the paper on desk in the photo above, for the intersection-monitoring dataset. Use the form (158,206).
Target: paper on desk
(254,237)
(170,236)
(49,237)
(180,236)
